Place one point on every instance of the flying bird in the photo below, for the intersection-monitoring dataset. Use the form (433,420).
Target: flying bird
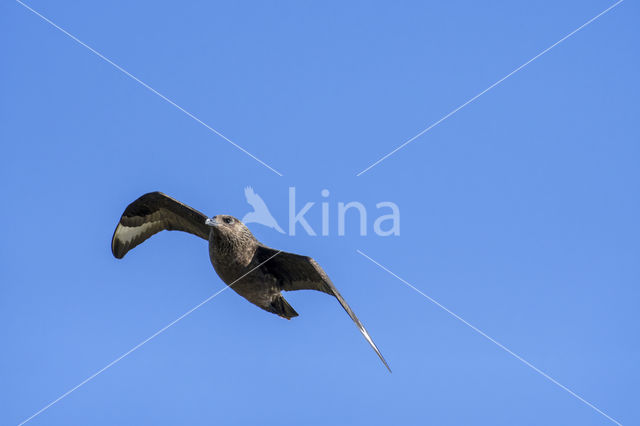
(254,271)
(260,213)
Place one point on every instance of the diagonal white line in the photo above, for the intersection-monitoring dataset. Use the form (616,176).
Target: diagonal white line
(489,88)
(500,345)
(136,347)
(133,77)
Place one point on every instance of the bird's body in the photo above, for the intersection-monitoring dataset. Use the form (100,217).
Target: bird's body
(237,265)
(231,258)
(254,271)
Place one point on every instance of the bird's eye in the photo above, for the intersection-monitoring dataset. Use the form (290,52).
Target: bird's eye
(228,220)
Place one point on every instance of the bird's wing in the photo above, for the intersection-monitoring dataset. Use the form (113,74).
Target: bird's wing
(296,272)
(255,200)
(150,214)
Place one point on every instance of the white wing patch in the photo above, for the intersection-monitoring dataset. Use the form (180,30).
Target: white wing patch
(126,234)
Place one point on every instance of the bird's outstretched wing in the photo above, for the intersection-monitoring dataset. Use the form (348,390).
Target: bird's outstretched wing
(296,272)
(150,214)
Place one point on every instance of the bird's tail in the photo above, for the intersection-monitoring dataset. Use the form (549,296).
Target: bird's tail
(281,307)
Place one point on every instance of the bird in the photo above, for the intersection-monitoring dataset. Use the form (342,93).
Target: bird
(260,213)
(254,271)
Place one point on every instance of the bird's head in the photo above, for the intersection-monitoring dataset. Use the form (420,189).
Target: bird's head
(229,228)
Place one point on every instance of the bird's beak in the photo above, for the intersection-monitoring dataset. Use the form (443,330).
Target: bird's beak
(211,222)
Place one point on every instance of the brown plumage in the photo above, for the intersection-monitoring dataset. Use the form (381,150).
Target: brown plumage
(254,271)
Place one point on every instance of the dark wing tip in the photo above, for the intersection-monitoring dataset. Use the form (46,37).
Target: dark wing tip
(118,253)
(386,365)
(139,207)
(117,248)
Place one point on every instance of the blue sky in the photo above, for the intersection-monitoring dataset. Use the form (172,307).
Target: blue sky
(519,213)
